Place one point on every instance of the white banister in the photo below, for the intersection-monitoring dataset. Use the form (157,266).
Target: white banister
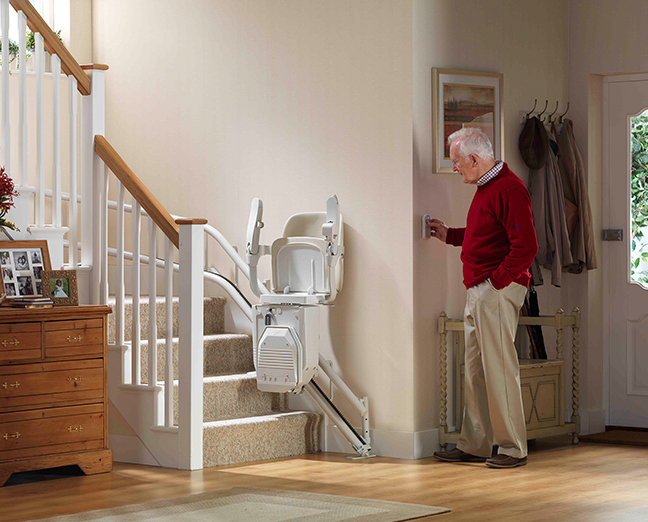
(120,290)
(102,263)
(135,332)
(93,118)
(73,212)
(152,290)
(40,128)
(22,110)
(168,366)
(4,34)
(56,132)
(190,400)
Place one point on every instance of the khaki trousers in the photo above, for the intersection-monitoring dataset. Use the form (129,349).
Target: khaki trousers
(493,412)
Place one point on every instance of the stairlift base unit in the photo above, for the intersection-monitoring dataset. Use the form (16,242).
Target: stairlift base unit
(285,346)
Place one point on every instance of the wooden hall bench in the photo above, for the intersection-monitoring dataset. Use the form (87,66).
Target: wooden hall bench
(542,380)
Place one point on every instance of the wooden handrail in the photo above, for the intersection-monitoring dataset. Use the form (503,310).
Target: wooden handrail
(137,189)
(53,45)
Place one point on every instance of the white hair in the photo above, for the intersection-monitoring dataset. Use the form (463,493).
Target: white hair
(472,141)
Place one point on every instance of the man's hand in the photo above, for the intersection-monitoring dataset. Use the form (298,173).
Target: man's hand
(438,229)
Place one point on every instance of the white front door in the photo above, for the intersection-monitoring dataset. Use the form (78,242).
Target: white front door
(625,269)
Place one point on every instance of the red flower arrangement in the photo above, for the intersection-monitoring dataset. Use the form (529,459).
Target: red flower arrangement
(7,193)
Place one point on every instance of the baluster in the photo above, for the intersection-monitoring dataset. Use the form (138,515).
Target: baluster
(560,321)
(168,366)
(119,291)
(22,125)
(56,153)
(40,128)
(103,216)
(443,356)
(575,374)
(135,332)
(73,211)
(4,23)
(152,289)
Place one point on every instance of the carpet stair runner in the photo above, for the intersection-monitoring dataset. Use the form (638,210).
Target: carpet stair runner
(241,424)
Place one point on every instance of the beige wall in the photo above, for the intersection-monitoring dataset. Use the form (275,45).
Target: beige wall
(605,38)
(217,102)
(527,42)
(223,101)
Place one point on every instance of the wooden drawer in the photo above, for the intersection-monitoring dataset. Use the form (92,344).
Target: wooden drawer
(53,430)
(20,341)
(74,338)
(27,385)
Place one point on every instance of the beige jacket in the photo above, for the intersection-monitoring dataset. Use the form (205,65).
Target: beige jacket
(582,237)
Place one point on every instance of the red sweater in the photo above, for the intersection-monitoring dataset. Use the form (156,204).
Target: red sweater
(499,240)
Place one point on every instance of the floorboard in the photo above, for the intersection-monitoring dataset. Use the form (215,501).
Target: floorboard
(588,482)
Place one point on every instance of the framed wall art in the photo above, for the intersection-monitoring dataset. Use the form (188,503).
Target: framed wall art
(22,264)
(465,99)
(61,287)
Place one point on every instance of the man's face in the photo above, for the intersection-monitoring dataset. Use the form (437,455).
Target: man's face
(467,167)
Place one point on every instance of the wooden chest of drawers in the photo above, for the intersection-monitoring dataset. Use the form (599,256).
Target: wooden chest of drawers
(53,389)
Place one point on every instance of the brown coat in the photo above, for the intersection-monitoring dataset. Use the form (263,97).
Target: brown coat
(573,171)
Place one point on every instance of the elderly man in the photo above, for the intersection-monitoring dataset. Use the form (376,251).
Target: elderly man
(498,246)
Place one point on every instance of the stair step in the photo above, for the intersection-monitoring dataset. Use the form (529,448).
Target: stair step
(235,397)
(262,437)
(224,354)
(214,317)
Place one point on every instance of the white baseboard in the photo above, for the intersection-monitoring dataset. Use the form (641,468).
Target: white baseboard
(387,443)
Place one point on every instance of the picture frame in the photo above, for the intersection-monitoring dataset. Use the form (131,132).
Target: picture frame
(22,264)
(61,287)
(461,99)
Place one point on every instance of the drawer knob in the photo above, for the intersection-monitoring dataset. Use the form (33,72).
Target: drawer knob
(70,338)
(77,379)
(6,385)
(7,436)
(7,342)
(78,428)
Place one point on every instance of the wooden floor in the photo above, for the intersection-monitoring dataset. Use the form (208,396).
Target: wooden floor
(588,482)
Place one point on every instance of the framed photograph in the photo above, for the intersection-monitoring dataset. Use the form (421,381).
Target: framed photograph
(22,264)
(61,287)
(465,99)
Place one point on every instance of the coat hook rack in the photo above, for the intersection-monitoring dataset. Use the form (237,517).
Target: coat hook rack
(560,118)
(543,110)
(549,120)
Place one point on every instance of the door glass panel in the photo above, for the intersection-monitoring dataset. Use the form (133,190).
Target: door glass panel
(639,199)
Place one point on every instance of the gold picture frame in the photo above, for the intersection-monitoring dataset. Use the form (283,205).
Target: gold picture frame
(61,287)
(22,264)
(461,99)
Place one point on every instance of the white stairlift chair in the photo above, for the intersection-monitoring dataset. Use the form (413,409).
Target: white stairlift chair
(307,273)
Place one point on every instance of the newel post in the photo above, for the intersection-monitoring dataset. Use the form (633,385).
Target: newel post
(190,357)
(93,122)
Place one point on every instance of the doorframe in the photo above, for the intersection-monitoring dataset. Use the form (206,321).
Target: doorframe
(605,175)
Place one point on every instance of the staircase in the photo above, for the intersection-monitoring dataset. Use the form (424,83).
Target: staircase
(240,423)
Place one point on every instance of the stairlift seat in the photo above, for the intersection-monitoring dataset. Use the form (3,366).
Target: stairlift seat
(307,226)
(299,266)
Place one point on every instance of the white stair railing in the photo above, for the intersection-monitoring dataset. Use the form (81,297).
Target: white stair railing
(31,168)
(188,236)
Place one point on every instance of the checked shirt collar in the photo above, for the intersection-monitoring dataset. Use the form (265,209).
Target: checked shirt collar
(492,173)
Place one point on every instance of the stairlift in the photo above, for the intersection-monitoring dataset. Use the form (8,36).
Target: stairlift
(307,273)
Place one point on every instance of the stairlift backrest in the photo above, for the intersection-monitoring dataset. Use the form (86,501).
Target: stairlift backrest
(307,227)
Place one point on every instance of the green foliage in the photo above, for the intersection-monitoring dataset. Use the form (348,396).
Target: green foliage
(639,195)
(13,50)
(31,40)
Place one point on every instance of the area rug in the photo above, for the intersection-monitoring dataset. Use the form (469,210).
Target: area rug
(624,437)
(267,505)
